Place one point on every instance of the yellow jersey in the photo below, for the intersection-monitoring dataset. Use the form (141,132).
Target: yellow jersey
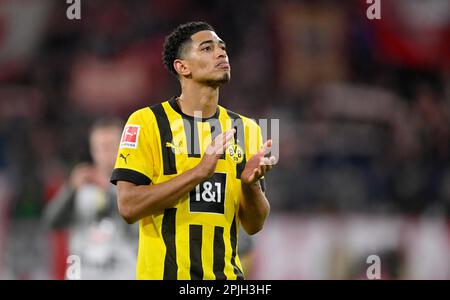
(196,238)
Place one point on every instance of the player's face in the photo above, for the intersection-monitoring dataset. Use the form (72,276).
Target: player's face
(207,59)
(104,143)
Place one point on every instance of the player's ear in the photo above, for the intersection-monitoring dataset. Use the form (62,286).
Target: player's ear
(181,67)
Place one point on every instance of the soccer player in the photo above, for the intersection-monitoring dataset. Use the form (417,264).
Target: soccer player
(192,180)
(86,206)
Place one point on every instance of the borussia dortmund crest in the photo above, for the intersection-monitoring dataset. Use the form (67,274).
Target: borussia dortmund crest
(236,153)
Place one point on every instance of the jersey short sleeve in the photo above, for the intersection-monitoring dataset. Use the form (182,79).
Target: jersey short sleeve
(134,162)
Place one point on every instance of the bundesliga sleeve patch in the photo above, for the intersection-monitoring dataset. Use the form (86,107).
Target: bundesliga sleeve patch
(130,136)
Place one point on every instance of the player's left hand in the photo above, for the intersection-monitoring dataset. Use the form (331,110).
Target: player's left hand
(258,165)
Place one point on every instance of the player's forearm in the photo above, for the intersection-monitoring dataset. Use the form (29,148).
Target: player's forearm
(253,208)
(139,201)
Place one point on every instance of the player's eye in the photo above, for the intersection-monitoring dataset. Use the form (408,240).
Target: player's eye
(207,48)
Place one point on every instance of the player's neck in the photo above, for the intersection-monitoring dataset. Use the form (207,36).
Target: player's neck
(197,99)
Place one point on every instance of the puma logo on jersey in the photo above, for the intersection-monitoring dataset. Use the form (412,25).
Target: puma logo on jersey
(124,157)
(177,149)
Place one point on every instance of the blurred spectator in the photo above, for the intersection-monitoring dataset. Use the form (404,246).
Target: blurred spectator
(87,206)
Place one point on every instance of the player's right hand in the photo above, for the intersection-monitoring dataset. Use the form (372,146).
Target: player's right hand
(214,151)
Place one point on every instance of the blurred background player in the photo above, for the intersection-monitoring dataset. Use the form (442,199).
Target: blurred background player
(87,206)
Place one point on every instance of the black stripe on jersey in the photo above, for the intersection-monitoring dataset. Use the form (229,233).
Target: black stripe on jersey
(192,139)
(191,129)
(239,136)
(168,234)
(216,129)
(233,239)
(130,176)
(165,133)
(195,251)
(192,136)
(219,254)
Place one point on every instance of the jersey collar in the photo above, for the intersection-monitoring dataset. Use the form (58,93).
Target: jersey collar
(173,103)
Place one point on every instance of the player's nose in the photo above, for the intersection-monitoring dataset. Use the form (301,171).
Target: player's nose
(221,53)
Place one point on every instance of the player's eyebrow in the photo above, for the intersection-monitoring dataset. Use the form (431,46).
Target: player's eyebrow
(211,41)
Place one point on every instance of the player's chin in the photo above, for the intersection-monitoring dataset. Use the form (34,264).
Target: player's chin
(224,78)
(219,80)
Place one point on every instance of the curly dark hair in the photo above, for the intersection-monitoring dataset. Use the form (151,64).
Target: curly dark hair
(175,42)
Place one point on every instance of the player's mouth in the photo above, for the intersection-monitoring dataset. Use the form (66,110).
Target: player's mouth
(223,65)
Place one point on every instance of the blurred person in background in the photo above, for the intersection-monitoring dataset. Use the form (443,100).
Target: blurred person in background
(87,206)
(191,188)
